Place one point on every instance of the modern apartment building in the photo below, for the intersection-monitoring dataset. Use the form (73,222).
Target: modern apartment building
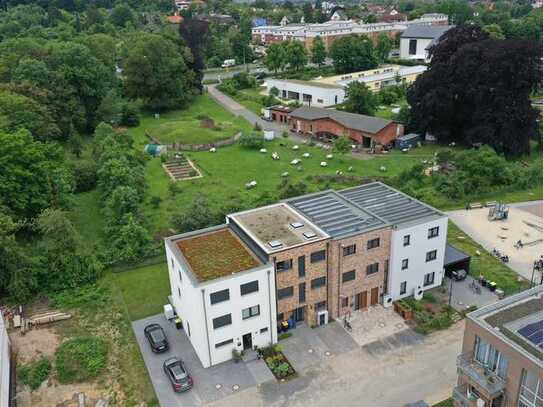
(306,259)
(501,364)
(332,30)
(416,41)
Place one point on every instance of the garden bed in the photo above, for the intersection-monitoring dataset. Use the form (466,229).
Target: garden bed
(428,314)
(181,168)
(278,363)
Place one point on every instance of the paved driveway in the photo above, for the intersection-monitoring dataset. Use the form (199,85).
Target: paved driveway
(210,384)
(463,295)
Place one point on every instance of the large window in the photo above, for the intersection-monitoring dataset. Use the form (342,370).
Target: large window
(222,321)
(223,343)
(372,268)
(373,243)
(491,358)
(403,287)
(285,292)
(249,288)
(301,266)
(301,293)
(318,282)
(405,264)
(349,250)
(412,47)
(429,279)
(250,312)
(219,296)
(318,256)
(433,232)
(348,276)
(432,255)
(531,390)
(284,265)
(407,240)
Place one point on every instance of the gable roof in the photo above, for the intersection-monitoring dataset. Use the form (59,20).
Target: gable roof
(425,31)
(352,121)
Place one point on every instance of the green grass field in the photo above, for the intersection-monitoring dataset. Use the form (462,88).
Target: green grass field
(183,126)
(251,99)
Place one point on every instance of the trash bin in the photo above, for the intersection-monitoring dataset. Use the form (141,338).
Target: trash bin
(492,286)
(178,323)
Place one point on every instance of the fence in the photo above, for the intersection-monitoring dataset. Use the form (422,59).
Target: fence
(196,147)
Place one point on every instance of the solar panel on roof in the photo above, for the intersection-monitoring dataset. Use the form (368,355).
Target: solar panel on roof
(536,338)
(533,333)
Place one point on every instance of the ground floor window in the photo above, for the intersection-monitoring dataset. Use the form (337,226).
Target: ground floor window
(429,279)
(403,287)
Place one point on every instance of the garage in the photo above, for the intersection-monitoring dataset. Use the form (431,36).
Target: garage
(455,259)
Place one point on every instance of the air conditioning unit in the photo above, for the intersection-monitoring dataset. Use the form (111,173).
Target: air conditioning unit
(418,293)
(322,317)
(387,301)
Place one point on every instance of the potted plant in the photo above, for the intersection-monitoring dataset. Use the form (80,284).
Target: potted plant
(236,355)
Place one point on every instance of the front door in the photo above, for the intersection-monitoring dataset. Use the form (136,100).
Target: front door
(322,319)
(298,314)
(374,295)
(363,299)
(247,341)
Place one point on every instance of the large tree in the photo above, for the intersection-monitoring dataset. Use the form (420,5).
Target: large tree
(318,51)
(157,73)
(296,55)
(195,34)
(360,99)
(276,57)
(477,90)
(353,53)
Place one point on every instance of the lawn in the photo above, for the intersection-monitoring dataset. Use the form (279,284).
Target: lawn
(484,263)
(184,126)
(251,99)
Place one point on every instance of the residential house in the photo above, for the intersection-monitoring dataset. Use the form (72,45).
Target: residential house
(417,40)
(501,364)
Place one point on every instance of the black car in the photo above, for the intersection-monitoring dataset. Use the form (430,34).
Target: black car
(178,375)
(157,338)
(459,275)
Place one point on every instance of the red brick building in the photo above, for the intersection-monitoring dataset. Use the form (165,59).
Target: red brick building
(327,123)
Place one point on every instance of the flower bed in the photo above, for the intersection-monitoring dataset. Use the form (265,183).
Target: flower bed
(429,314)
(278,363)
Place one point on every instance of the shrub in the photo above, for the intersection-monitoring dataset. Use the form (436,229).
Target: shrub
(155,201)
(85,175)
(252,141)
(284,335)
(81,359)
(35,373)
(130,116)
(85,296)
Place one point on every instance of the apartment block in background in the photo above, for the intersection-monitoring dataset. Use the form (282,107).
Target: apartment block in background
(501,364)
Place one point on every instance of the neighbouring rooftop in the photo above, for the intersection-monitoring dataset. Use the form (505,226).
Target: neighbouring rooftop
(517,320)
(277,227)
(215,253)
(335,215)
(390,204)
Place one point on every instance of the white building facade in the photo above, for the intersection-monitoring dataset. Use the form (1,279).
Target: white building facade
(416,41)
(235,312)
(5,364)
(307,92)
(417,254)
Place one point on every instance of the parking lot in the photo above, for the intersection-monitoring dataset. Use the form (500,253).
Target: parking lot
(210,384)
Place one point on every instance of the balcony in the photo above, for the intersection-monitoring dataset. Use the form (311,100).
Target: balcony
(460,395)
(481,377)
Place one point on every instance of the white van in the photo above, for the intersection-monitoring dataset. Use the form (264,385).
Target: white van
(228,63)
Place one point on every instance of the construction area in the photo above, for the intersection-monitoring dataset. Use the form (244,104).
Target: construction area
(513,233)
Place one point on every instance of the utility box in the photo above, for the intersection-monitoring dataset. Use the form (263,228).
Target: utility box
(168,312)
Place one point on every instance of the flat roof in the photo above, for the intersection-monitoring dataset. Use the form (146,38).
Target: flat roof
(425,31)
(335,215)
(390,204)
(214,252)
(314,83)
(277,227)
(519,312)
(454,255)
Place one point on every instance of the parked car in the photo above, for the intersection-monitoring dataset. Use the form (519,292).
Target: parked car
(177,374)
(459,275)
(157,338)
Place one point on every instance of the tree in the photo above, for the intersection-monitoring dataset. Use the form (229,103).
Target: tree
(276,57)
(495,31)
(123,200)
(318,51)
(353,53)
(195,34)
(121,15)
(296,55)
(157,73)
(342,145)
(110,110)
(130,241)
(307,10)
(383,47)
(360,99)
(197,215)
(33,177)
(495,109)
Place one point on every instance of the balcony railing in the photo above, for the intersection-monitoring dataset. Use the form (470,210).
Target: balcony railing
(460,395)
(482,377)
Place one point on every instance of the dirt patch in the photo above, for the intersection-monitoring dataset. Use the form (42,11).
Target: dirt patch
(59,395)
(35,343)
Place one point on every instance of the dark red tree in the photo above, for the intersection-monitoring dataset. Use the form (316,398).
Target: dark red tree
(194,33)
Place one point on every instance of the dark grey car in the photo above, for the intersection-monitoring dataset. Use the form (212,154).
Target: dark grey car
(177,374)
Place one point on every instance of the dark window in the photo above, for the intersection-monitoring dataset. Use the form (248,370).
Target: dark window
(218,345)
(318,282)
(284,265)
(345,302)
(412,47)
(220,296)
(320,305)
(301,266)
(301,293)
(318,256)
(403,287)
(348,250)
(249,288)
(431,255)
(280,317)
(250,312)
(348,276)
(179,292)
(188,328)
(180,276)
(429,279)
(405,264)
(264,330)
(372,268)
(373,243)
(407,240)
(222,321)
(285,292)
(433,232)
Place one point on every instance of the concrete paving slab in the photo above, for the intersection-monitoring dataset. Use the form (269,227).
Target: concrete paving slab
(211,384)
(463,296)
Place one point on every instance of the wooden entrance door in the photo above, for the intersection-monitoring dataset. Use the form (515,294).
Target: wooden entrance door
(362,299)
(374,296)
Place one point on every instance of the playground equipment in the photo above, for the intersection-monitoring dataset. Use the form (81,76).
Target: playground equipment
(498,212)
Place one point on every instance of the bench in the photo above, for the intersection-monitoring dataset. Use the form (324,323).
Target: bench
(474,205)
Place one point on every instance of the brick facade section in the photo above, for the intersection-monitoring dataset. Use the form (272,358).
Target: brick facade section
(291,278)
(386,136)
(517,362)
(363,257)
(279,116)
